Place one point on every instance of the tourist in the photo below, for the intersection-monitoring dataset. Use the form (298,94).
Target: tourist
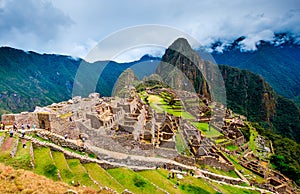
(3,126)
(11,133)
(22,126)
(33,126)
(24,144)
(23,132)
(66,136)
(15,126)
(28,126)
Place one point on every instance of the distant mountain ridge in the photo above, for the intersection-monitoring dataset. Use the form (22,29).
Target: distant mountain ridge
(29,79)
(278,65)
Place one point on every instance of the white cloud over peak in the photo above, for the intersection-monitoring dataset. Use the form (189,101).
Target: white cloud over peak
(75,27)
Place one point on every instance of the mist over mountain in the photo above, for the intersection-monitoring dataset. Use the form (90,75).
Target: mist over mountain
(278,62)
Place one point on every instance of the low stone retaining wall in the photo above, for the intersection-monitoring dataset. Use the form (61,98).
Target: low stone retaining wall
(212,161)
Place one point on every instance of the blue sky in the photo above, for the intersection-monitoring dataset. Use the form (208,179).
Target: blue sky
(75,27)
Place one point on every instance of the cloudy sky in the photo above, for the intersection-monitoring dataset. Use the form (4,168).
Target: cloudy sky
(75,27)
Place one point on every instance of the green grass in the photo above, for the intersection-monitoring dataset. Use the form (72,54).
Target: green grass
(187,185)
(233,190)
(158,104)
(159,179)
(44,164)
(221,141)
(133,181)
(252,143)
(102,177)
(204,128)
(62,165)
(230,173)
(181,146)
(246,172)
(80,174)
(22,157)
(232,147)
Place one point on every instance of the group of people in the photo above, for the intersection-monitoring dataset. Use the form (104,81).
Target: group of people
(15,129)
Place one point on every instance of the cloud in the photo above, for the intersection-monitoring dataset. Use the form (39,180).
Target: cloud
(31,23)
(65,27)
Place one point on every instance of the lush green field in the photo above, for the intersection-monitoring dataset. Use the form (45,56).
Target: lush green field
(133,181)
(102,177)
(181,145)
(63,167)
(80,174)
(44,164)
(158,104)
(208,132)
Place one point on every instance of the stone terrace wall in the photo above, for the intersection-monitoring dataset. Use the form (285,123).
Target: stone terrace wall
(212,161)
(58,140)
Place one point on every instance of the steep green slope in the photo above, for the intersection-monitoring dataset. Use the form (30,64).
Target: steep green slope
(279,65)
(30,79)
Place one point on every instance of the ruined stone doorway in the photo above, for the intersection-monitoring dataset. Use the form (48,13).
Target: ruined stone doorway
(42,125)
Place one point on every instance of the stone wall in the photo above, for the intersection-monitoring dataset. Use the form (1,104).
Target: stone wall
(213,161)
(167,144)
(61,141)
(22,118)
(95,122)
(8,119)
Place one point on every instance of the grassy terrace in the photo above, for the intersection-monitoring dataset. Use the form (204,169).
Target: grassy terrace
(80,174)
(133,181)
(102,177)
(221,172)
(158,104)
(186,185)
(44,164)
(22,157)
(233,190)
(181,145)
(63,167)
(204,128)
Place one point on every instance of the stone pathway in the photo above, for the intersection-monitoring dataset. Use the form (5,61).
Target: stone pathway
(7,144)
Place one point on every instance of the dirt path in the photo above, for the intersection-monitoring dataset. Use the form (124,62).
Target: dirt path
(7,144)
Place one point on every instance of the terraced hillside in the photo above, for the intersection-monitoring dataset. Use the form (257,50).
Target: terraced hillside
(56,166)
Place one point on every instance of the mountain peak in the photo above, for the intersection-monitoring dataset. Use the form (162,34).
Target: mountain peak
(180,44)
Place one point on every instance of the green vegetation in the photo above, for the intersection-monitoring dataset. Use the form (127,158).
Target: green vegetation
(246,172)
(232,147)
(181,145)
(287,151)
(22,157)
(80,174)
(233,190)
(62,165)
(44,164)
(231,173)
(158,104)
(209,132)
(102,177)
(159,178)
(133,181)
